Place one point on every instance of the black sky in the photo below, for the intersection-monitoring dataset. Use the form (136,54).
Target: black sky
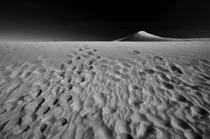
(102,20)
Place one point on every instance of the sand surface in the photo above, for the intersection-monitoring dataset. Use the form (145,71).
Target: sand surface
(105,90)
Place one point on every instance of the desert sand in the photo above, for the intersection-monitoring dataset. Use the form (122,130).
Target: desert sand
(105,90)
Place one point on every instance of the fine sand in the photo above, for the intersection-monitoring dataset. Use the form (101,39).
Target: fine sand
(105,90)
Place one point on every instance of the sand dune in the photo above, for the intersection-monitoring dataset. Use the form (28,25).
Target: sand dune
(144,36)
(105,90)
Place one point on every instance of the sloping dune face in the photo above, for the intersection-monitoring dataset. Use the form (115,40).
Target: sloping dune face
(105,90)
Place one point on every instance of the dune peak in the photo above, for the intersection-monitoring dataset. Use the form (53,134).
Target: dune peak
(144,33)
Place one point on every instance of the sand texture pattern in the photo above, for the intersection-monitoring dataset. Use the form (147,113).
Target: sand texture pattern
(105,90)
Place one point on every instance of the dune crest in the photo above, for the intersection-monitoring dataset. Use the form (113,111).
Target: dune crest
(146,34)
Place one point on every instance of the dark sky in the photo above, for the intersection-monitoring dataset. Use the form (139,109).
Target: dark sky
(102,20)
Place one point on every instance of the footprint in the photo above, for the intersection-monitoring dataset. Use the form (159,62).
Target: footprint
(116,72)
(56,101)
(40,102)
(149,71)
(97,57)
(78,72)
(180,98)
(80,49)
(74,68)
(21,98)
(58,89)
(164,77)
(175,69)
(89,68)
(167,124)
(61,122)
(90,53)
(63,67)
(69,62)
(136,87)
(158,58)
(93,49)
(85,56)
(76,58)
(69,86)
(89,62)
(68,97)
(43,127)
(82,79)
(135,52)
(142,74)
(36,93)
(167,85)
